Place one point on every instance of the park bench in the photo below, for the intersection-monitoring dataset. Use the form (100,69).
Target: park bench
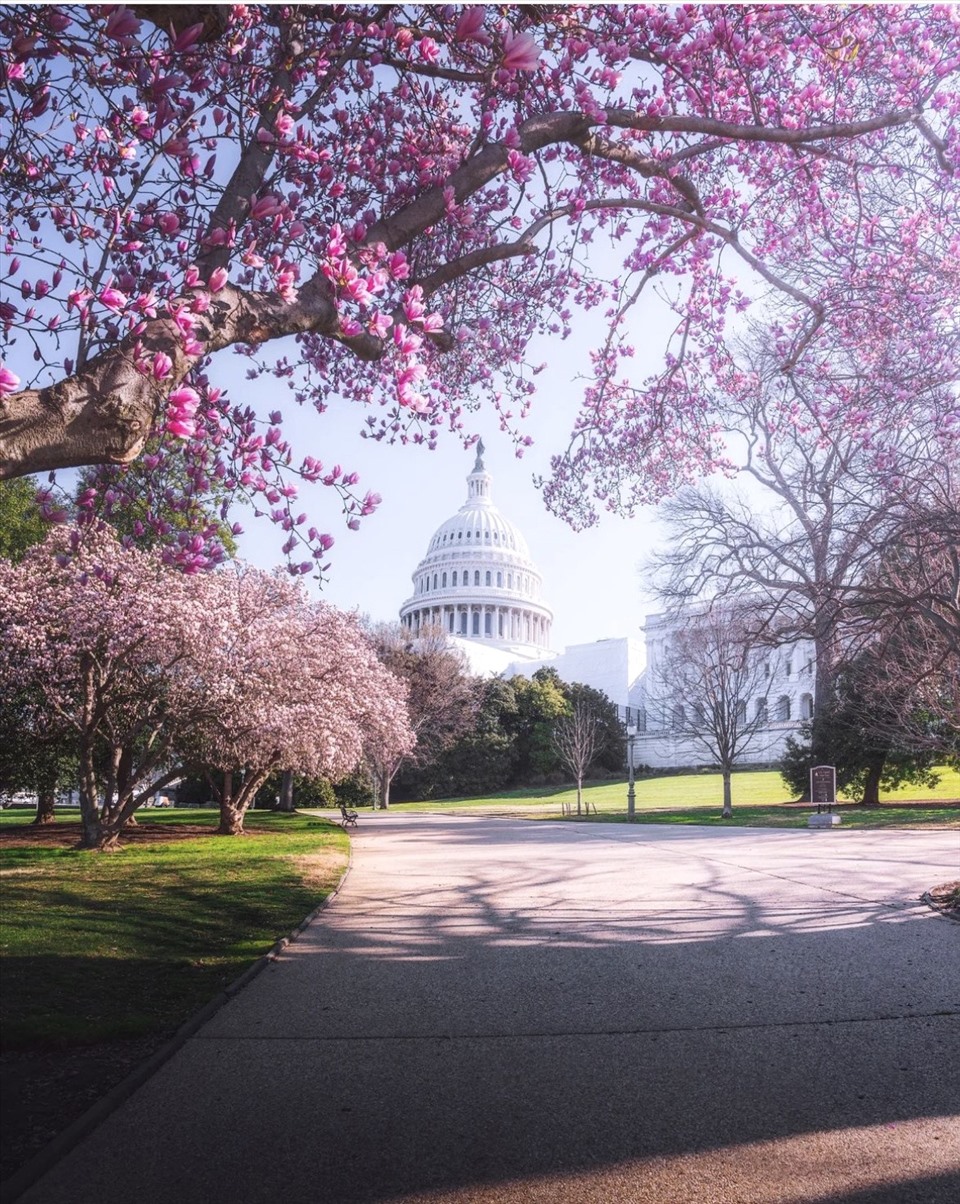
(348,817)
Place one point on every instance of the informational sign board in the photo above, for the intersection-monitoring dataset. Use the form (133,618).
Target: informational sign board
(823,786)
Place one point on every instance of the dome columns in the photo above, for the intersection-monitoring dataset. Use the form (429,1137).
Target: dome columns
(479,621)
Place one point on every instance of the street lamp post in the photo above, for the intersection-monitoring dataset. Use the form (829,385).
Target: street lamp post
(631,793)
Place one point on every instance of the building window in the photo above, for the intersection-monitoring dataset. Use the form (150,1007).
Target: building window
(509,580)
(500,625)
(476,622)
(454,577)
(443,580)
(499,579)
(783,708)
(434,580)
(789,668)
(806,706)
(678,718)
(741,712)
(463,622)
(488,578)
(762,710)
(476,577)
(450,623)
(487,630)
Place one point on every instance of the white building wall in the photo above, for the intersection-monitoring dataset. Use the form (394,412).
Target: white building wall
(789,701)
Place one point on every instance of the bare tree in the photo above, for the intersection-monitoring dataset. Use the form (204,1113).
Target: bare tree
(577,738)
(805,533)
(712,687)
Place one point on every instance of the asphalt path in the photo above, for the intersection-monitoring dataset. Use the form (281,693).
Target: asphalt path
(514,1010)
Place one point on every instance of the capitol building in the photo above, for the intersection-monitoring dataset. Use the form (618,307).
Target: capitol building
(477,581)
(479,585)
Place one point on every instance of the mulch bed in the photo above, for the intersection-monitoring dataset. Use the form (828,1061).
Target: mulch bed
(945,899)
(67,836)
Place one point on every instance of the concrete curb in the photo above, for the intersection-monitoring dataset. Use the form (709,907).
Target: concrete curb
(11,1189)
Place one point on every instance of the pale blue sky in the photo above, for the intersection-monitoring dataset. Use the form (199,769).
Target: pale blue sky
(590,578)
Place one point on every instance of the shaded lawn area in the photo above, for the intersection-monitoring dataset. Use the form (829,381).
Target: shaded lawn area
(98,946)
(105,955)
(759,799)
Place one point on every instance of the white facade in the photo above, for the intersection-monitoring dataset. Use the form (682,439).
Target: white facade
(784,697)
(478,583)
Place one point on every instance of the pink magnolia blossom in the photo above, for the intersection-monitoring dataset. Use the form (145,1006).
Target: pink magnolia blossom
(520,52)
(762,162)
(113,299)
(233,670)
(9,381)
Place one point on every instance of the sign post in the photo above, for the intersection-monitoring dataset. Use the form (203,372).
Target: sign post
(823,792)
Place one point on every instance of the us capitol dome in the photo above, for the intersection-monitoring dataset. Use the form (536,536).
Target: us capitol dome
(478,584)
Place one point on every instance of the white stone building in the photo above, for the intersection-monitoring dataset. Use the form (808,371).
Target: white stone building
(477,581)
(479,584)
(783,699)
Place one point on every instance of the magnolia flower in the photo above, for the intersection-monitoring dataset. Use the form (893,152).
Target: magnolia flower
(121,24)
(113,299)
(520,52)
(9,381)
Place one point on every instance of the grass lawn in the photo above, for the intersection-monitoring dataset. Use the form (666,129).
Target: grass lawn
(759,800)
(101,946)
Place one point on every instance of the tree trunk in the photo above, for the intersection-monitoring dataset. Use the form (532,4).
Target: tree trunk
(46,799)
(579,793)
(231,819)
(286,792)
(383,792)
(871,787)
(727,796)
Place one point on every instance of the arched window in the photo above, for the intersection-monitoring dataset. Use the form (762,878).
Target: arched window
(500,625)
(741,712)
(509,580)
(806,706)
(783,708)
(476,622)
(487,630)
(679,718)
(499,579)
(476,577)
(488,580)
(700,714)
(454,577)
(463,622)
(761,711)
(443,580)
(434,580)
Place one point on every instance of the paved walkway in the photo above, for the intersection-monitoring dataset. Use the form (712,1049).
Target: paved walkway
(501,1010)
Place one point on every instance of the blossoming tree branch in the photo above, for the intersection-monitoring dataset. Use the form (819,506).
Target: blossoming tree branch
(388,206)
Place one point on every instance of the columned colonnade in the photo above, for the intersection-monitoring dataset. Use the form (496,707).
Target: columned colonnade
(512,624)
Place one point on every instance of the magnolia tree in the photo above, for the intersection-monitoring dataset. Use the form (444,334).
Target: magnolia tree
(98,640)
(389,206)
(290,685)
(141,668)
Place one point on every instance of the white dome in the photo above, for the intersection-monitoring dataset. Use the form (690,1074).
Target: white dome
(477,580)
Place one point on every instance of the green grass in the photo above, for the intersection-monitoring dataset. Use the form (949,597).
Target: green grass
(97,946)
(758,798)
